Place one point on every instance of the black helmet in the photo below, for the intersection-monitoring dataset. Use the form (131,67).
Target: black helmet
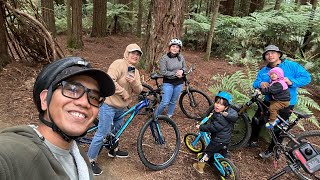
(64,68)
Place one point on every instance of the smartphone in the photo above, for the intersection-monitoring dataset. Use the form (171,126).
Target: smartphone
(131,71)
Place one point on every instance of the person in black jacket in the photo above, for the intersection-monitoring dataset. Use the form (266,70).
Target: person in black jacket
(280,95)
(220,126)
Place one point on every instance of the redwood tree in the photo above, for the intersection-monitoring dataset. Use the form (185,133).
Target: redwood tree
(214,15)
(99,22)
(4,55)
(166,23)
(47,10)
(75,38)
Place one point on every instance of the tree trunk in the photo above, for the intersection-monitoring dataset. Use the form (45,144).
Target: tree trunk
(215,14)
(245,6)
(75,39)
(140,15)
(227,7)
(166,24)
(99,22)
(307,37)
(256,5)
(4,54)
(48,15)
(68,9)
(59,2)
(277,4)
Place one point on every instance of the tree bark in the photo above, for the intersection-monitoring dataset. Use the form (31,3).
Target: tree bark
(75,40)
(59,2)
(99,22)
(215,14)
(245,6)
(140,15)
(47,10)
(277,4)
(166,24)
(4,54)
(256,5)
(227,7)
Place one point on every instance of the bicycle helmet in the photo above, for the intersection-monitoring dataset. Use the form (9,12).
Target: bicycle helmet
(60,70)
(175,41)
(271,48)
(225,95)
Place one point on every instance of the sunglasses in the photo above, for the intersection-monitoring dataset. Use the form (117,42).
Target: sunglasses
(75,90)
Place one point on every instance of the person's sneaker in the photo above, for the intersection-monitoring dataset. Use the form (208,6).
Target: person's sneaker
(95,169)
(118,153)
(270,125)
(266,154)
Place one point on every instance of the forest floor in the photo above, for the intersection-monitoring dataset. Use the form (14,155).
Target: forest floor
(17,108)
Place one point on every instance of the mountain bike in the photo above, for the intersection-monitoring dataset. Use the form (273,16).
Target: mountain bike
(302,152)
(158,141)
(196,143)
(192,102)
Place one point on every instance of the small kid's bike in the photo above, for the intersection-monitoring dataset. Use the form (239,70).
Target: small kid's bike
(192,102)
(158,141)
(196,144)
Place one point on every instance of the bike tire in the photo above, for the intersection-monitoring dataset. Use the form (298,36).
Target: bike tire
(313,137)
(154,154)
(202,103)
(189,138)
(241,132)
(230,168)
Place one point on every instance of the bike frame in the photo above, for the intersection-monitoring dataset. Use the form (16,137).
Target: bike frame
(114,139)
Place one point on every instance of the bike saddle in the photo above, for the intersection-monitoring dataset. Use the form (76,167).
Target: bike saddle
(300,115)
(155,76)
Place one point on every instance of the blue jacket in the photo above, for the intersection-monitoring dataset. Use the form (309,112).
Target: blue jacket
(293,71)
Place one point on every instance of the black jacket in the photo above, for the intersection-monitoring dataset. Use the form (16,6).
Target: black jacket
(221,127)
(277,93)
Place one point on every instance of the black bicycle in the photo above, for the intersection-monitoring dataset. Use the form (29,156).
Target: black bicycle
(158,140)
(192,102)
(302,152)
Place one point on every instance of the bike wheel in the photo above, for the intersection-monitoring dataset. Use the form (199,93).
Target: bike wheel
(230,169)
(189,138)
(313,137)
(241,132)
(158,143)
(195,104)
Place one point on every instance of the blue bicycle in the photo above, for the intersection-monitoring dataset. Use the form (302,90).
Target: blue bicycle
(196,143)
(158,141)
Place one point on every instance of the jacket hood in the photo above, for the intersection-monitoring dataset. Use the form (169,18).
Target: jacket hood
(131,48)
(23,130)
(278,71)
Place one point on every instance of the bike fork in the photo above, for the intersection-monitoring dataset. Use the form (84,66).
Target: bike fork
(156,133)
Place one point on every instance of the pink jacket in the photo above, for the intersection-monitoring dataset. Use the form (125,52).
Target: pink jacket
(280,79)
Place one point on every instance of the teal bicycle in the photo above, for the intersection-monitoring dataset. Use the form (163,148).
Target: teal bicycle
(158,140)
(196,143)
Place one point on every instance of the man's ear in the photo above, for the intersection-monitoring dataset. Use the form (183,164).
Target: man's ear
(43,99)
